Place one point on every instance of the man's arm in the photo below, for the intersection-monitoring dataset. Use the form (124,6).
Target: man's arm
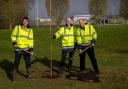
(14,35)
(58,33)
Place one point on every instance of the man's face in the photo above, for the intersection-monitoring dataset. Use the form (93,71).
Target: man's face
(81,22)
(68,21)
(25,23)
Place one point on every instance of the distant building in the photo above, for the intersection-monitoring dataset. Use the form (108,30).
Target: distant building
(44,20)
(76,7)
(77,17)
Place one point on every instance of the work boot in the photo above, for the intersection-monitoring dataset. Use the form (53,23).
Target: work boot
(61,72)
(29,73)
(14,74)
(62,64)
(97,72)
(70,66)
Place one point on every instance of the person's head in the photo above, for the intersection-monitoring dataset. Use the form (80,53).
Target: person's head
(25,22)
(81,22)
(69,21)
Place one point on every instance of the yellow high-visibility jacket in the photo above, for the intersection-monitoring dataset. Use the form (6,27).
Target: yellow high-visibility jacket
(23,37)
(68,36)
(86,35)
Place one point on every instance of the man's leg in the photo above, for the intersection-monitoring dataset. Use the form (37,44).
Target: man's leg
(28,64)
(71,53)
(82,60)
(63,59)
(91,55)
(16,63)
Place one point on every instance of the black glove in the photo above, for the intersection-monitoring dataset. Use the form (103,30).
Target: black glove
(93,41)
(75,45)
(30,49)
(79,46)
(53,36)
(14,43)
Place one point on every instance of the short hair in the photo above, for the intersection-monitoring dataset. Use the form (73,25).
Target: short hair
(85,20)
(25,18)
(82,19)
(70,19)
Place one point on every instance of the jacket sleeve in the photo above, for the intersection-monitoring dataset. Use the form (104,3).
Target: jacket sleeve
(59,32)
(94,34)
(14,34)
(31,41)
(79,38)
(75,34)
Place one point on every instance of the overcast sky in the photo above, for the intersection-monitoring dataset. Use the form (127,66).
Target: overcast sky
(76,7)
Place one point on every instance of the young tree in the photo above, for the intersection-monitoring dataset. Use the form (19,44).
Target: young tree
(11,11)
(124,9)
(58,9)
(98,9)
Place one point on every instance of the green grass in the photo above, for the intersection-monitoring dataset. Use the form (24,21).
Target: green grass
(111,53)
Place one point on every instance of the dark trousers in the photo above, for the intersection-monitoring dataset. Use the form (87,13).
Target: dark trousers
(18,57)
(91,55)
(63,58)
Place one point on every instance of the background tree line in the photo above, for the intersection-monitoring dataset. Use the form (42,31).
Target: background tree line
(124,9)
(98,9)
(11,11)
(59,9)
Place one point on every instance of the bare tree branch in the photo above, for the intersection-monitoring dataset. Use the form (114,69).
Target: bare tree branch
(59,9)
(98,8)
(124,9)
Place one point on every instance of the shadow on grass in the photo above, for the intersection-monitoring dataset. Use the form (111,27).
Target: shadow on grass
(123,51)
(7,66)
(55,63)
(86,76)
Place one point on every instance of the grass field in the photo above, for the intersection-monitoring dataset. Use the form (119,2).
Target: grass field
(111,53)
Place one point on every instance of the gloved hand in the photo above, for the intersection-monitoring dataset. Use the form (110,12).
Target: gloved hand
(79,46)
(31,51)
(80,51)
(53,36)
(14,43)
(93,41)
(75,45)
